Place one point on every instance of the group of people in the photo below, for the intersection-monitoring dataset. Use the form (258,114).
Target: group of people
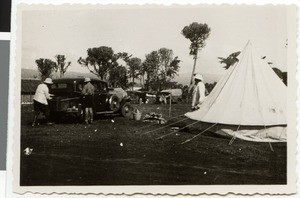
(42,96)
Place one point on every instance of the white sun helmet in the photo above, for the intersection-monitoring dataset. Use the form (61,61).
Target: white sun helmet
(87,80)
(48,81)
(198,77)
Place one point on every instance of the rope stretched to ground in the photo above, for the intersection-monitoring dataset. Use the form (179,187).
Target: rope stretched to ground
(188,140)
(156,123)
(164,126)
(161,137)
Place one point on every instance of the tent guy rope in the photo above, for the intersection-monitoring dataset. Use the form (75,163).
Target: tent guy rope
(188,140)
(163,126)
(177,130)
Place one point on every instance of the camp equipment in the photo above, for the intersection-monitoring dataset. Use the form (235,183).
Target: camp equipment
(175,94)
(137,115)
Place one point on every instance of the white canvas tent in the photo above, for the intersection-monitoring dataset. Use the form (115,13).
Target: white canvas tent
(249,102)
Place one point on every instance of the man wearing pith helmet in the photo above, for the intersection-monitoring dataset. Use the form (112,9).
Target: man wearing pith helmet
(40,101)
(88,91)
(198,92)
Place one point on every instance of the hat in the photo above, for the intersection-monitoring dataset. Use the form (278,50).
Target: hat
(48,81)
(199,77)
(87,80)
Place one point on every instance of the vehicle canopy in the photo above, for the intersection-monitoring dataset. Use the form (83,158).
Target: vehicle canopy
(173,92)
(65,86)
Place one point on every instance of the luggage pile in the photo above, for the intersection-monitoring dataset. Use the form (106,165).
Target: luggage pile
(155,118)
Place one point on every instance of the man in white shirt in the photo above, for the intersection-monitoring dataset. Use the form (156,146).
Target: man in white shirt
(40,101)
(198,92)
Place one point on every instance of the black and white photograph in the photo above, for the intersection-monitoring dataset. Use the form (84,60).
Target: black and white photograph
(128,95)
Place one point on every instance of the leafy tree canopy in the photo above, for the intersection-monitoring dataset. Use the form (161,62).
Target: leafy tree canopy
(118,77)
(134,69)
(134,65)
(61,64)
(197,33)
(160,67)
(45,67)
(99,60)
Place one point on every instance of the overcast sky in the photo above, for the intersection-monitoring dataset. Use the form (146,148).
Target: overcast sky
(140,31)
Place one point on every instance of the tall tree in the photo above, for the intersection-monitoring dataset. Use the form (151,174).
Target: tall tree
(123,56)
(45,67)
(99,60)
(134,65)
(150,67)
(230,60)
(197,33)
(118,77)
(168,66)
(173,68)
(160,67)
(61,64)
(142,73)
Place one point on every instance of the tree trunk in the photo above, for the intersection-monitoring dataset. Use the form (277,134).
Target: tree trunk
(141,80)
(195,61)
(132,83)
(61,74)
(159,84)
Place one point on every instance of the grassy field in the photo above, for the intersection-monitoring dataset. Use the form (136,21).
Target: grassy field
(113,153)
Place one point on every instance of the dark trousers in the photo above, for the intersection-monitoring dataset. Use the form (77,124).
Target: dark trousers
(88,101)
(39,107)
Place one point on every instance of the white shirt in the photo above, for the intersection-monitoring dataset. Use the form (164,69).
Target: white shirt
(42,94)
(198,94)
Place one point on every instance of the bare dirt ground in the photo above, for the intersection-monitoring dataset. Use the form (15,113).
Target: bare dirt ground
(112,153)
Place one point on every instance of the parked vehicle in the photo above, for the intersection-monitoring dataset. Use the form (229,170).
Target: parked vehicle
(175,94)
(138,96)
(67,100)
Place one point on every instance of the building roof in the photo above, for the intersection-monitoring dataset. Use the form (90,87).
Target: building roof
(28,86)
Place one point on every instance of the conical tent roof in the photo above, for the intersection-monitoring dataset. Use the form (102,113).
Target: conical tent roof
(250,94)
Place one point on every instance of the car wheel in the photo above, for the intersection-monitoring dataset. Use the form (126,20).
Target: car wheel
(126,110)
(114,103)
